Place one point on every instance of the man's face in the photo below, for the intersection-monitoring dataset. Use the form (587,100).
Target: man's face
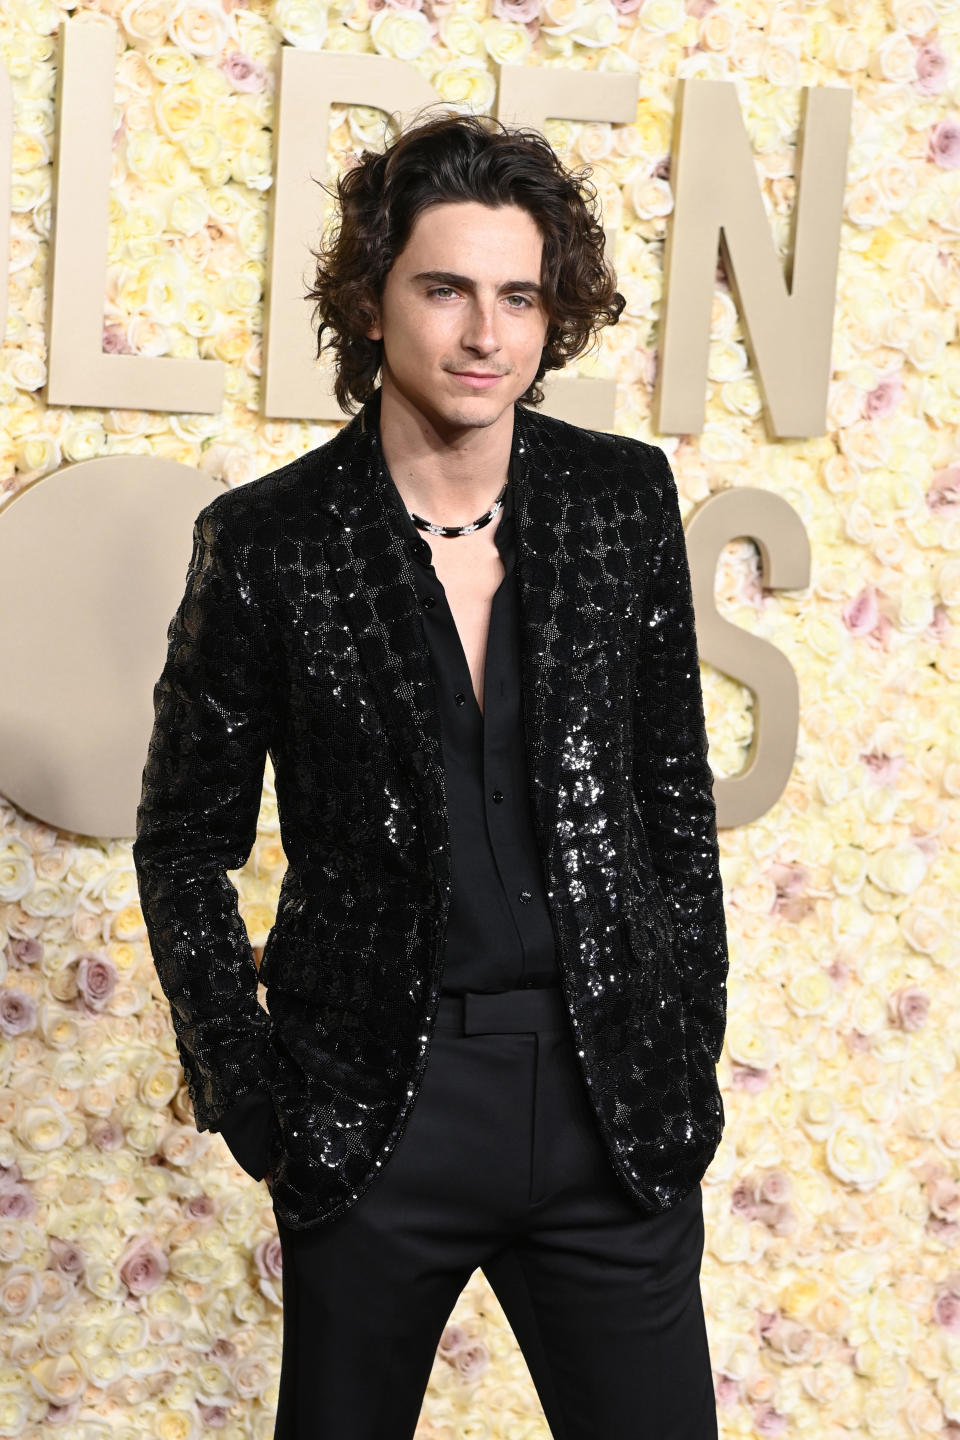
(434,326)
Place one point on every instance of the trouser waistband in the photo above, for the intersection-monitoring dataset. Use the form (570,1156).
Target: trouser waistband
(503,1011)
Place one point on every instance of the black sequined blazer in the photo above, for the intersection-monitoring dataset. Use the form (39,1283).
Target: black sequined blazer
(300,635)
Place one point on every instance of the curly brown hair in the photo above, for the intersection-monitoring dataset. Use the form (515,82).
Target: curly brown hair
(455,157)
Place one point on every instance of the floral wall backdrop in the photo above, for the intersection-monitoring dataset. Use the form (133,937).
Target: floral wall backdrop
(140,1276)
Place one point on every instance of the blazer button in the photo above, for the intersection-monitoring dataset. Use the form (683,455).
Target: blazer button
(460,698)
(428,602)
(497,796)
(525,897)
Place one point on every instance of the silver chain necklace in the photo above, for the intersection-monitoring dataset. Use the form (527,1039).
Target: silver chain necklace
(450,530)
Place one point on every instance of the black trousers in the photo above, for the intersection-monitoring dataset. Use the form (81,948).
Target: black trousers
(501,1167)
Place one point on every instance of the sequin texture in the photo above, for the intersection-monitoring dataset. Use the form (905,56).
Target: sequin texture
(299,634)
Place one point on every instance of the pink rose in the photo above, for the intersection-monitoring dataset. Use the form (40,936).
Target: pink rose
(910,1006)
(268,1258)
(746,1077)
(106,1134)
(143,1266)
(776,1185)
(727,1392)
(96,980)
(945,144)
(17,1204)
(860,614)
(27,951)
(743,1201)
(199,1207)
(932,68)
(114,341)
(454,1338)
(67,1414)
(65,1256)
(214,1417)
(943,1195)
(768,1421)
(884,769)
(884,398)
(944,491)
(473,1360)
(946,1311)
(18,1012)
(244,73)
(521,11)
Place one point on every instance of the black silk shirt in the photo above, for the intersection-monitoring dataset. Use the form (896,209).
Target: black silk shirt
(499,933)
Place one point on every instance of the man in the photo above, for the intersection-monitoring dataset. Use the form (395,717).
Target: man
(496,984)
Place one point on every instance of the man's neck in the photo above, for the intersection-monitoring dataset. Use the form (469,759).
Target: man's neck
(448,483)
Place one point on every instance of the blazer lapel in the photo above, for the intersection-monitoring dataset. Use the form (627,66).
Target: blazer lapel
(376,579)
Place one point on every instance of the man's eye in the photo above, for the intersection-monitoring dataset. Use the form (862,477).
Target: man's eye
(437,288)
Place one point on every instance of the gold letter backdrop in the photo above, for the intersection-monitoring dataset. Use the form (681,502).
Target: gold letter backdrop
(141,1283)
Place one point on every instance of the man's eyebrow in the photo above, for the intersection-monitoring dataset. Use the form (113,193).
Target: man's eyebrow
(447,277)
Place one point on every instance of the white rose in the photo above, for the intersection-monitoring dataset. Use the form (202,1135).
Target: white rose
(663,17)
(462,34)
(506,43)
(717,30)
(145,21)
(898,870)
(302,23)
(894,60)
(598,25)
(850,50)
(916,17)
(37,453)
(855,1155)
(465,84)
(27,371)
(781,65)
(559,17)
(651,196)
(404,34)
(83,440)
(866,205)
(727,360)
(188,210)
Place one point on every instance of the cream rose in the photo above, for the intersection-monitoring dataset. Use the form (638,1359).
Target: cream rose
(663,17)
(145,21)
(505,43)
(37,454)
(463,84)
(597,24)
(461,34)
(404,34)
(301,23)
(199,26)
(894,60)
(27,371)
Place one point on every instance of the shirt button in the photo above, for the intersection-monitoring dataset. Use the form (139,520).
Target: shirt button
(525,896)
(497,796)
(421,548)
(427,601)
(460,697)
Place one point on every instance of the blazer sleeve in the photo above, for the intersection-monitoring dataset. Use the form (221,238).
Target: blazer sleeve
(197,818)
(673,782)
